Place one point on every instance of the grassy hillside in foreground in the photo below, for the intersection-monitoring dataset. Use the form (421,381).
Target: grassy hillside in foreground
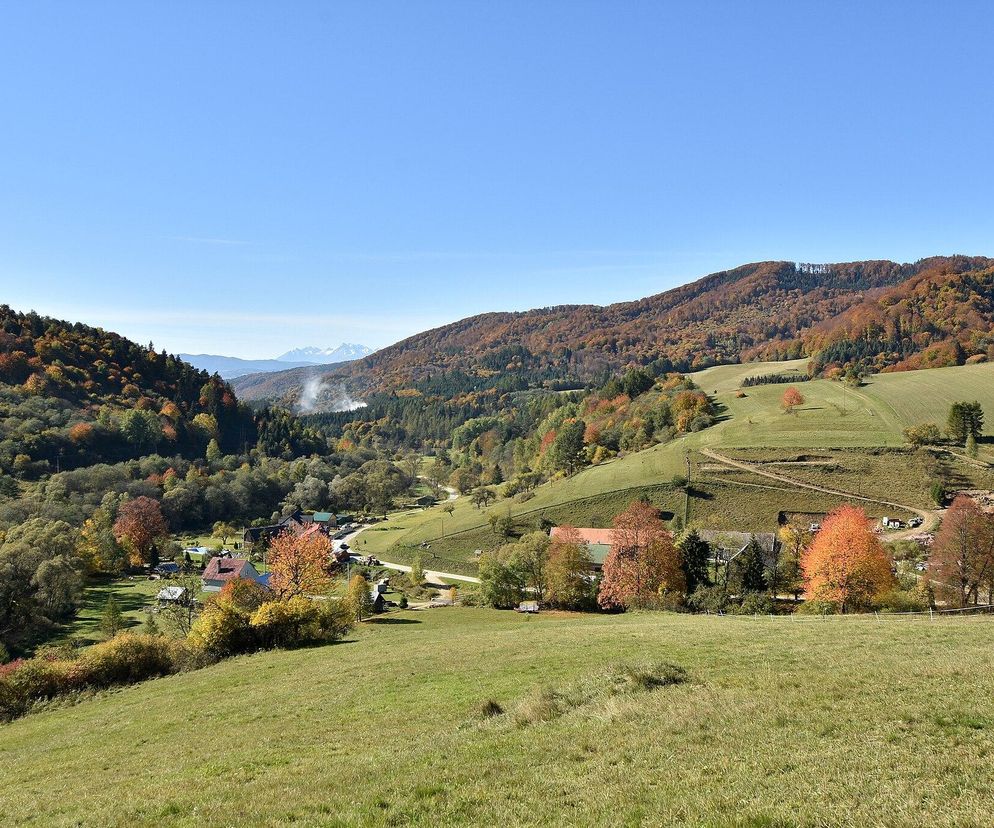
(832,417)
(844,721)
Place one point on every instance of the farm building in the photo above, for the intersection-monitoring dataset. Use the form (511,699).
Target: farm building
(729,545)
(597,541)
(197,554)
(221,570)
(296,522)
(171,595)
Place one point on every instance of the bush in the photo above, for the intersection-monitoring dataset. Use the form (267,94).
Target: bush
(755,603)
(222,630)
(817,608)
(286,623)
(127,659)
(244,594)
(900,600)
(709,599)
(24,683)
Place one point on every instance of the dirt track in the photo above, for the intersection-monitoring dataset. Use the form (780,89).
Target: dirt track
(930,518)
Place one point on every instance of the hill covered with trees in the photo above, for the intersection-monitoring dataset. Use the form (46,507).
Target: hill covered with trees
(72,395)
(875,314)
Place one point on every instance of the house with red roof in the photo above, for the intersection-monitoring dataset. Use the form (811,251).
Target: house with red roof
(597,541)
(221,570)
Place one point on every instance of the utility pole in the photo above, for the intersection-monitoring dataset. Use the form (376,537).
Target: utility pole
(686,493)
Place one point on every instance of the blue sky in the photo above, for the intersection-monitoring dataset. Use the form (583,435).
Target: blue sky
(242,178)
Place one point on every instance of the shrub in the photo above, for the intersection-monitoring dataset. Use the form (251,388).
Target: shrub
(900,600)
(816,607)
(24,683)
(221,631)
(709,599)
(127,659)
(286,623)
(244,594)
(755,603)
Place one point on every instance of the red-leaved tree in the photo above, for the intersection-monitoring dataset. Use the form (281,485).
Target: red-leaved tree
(962,559)
(139,527)
(846,563)
(643,564)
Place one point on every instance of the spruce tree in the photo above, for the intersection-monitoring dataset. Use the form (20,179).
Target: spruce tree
(112,620)
(752,577)
(696,558)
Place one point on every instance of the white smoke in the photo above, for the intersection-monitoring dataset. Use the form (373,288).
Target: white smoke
(317,393)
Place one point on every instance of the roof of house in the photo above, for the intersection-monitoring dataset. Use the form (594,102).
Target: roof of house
(171,593)
(603,537)
(224,569)
(323,517)
(734,541)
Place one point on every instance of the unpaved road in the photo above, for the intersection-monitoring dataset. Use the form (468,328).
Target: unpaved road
(929,517)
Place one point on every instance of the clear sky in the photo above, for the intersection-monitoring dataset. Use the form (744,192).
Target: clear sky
(242,178)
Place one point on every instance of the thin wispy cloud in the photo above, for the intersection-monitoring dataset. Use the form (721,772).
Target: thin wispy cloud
(210,240)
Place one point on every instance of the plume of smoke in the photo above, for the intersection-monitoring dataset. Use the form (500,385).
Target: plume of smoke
(331,397)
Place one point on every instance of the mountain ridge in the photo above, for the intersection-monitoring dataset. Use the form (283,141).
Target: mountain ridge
(229,368)
(760,310)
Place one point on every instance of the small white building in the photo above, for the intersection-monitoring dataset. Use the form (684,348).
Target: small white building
(171,595)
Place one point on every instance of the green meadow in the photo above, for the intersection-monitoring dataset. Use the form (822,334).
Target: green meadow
(847,425)
(849,721)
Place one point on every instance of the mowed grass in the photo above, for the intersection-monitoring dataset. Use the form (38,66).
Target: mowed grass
(818,722)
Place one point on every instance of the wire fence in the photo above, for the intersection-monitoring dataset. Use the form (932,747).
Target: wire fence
(983,610)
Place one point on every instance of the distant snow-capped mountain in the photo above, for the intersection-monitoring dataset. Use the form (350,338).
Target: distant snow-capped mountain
(326,356)
(231,367)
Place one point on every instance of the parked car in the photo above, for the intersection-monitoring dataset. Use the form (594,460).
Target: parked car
(915,522)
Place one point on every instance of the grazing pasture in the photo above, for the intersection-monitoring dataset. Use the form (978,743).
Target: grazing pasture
(787,721)
(848,424)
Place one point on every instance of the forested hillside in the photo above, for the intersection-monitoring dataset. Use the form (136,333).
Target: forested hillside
(108,447)
(768,310)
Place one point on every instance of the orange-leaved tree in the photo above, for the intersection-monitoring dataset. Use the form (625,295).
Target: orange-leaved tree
(643,565)
(299,564)
(846,563)
(139,527)
(962,559)
(791,399)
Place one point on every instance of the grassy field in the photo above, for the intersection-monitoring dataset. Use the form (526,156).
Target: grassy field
(833,418)
(817,722)
(133,596)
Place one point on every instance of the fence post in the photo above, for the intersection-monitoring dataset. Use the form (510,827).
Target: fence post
(931,614)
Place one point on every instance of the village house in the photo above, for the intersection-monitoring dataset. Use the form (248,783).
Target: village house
(221,570)
(297,522)
(597,541)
